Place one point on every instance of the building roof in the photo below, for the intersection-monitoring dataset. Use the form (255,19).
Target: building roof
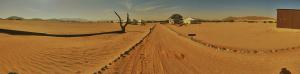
(289,9)
(190,18)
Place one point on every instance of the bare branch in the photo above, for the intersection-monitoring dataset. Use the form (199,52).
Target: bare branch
(120,19)
(123,26)
(128,20)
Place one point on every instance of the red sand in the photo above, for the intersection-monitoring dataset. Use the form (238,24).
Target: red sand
(165,52)
(60,55)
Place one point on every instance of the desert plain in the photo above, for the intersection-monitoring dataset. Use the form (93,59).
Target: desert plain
(166,49)
(31,54)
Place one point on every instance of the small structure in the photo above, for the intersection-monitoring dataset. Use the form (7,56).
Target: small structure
(175,21)
(191,21)
(171,21)
(141,22)
(117,21)
(192,35)
(288,18)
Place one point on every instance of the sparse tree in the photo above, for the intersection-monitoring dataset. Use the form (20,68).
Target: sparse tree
(122,25)
(177,18)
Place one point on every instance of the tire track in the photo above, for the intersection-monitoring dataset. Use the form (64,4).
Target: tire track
(153,56)
(124,54)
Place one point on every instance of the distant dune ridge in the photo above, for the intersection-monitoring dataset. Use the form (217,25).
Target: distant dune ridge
(74,19)
(249,18)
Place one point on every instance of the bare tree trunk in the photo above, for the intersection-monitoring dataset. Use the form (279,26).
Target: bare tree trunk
(123,27)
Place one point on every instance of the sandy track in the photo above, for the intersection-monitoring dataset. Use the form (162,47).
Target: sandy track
(165,52)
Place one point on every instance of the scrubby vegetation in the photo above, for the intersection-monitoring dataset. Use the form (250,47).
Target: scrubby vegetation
(177,18)
(15,18)
(37,19)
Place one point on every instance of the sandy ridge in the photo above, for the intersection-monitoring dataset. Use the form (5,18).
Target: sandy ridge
(125,53)
(236,50)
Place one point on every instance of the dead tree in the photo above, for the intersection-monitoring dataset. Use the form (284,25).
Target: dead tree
(122,25)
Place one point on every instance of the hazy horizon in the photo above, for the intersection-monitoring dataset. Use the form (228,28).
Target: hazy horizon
(142,9)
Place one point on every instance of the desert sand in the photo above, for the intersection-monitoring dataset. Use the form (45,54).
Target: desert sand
(29,54)
(255,36)
(165,52)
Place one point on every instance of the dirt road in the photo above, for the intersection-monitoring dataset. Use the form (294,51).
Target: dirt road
(165,52)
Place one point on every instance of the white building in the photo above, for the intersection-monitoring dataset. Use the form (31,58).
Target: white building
(171,21)
(118,21)
(191,21)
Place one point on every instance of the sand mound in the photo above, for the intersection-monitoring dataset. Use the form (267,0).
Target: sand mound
(62,55)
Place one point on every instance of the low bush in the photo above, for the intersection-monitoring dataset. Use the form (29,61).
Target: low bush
(37,19)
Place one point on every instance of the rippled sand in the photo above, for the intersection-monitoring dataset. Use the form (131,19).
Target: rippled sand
(62,55)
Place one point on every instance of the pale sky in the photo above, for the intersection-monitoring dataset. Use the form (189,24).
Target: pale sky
(142,9)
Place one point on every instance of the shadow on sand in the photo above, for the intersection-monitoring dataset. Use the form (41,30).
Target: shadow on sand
(16,32)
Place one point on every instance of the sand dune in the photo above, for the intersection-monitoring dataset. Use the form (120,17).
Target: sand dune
(165,52)
(63,55)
